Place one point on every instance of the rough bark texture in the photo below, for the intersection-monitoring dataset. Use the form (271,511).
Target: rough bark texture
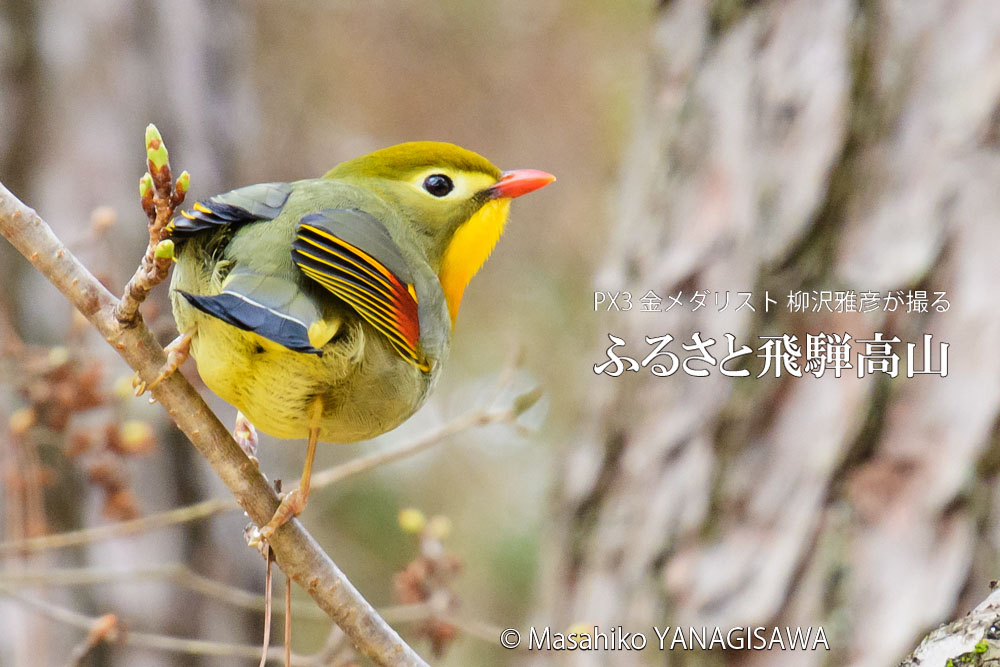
(798,145)
(973,640)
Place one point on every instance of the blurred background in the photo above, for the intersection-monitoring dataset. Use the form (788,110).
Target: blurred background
(714,145)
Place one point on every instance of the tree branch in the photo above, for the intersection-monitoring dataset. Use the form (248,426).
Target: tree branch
(298,554)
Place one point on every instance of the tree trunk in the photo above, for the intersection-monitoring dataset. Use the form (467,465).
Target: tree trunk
(791,145)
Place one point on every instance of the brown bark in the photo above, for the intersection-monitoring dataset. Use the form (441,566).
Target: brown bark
(798,145)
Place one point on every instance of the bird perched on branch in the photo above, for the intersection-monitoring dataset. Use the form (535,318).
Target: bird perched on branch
(324,308)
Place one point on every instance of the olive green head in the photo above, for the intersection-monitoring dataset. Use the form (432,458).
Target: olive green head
(453,201)
(436,186)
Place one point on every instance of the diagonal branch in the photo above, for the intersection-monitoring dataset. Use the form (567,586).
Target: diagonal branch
(298,554)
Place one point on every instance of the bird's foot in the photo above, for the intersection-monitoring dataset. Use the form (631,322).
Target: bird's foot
(138,386)
(291,506)
(251,533)
(178,350)
(246,436)
(293,503)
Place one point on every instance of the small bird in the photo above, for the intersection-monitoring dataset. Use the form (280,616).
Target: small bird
(324,308)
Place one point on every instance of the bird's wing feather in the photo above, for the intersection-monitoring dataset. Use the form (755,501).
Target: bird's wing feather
(262,201)
(272,307)
(351,254)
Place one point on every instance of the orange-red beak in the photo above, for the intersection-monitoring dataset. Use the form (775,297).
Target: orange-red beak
(520,182)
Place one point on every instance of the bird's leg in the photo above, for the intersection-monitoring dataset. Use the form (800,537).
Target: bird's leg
(293,504)
(246,437)
(177,351)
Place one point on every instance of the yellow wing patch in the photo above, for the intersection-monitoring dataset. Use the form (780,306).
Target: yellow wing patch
(377,294)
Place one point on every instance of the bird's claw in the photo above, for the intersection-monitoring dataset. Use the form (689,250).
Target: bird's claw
(138,386)
(291,506)
(254,540)
(178,350)
(246,436)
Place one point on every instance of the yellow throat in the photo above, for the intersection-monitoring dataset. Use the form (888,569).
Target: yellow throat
(469,249)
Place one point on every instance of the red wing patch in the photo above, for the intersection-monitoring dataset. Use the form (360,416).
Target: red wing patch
(378,295)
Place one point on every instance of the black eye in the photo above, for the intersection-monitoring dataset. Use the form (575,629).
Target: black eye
(438,185)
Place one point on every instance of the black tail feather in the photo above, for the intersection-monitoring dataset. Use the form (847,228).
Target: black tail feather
(249,316)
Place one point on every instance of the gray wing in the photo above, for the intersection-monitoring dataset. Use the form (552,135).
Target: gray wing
(253,203)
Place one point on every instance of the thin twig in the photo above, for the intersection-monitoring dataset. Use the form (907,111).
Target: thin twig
(103,628)
(176,573)
(336,647)
(333,649)
(143,639)
(208,508)
(140,526)
(362,464)
(298,554)
(182,575)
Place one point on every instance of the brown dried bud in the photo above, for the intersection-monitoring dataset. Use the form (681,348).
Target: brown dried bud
(120,505)
(441,634)
(410,584)
(79,443)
